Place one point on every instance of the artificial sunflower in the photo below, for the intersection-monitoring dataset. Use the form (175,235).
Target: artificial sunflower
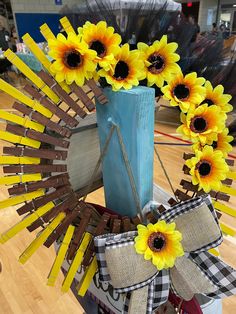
(216,96)
(127,70)
(208,168)
(74,61)
(202,124)
(222,143)
(160,61)
(184,91)
(103,40)
(159,242)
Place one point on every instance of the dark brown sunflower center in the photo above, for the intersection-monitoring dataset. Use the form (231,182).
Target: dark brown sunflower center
(121,70)
(158,63)
(98,47)
(214,144)
(72,59)
(181,91)
(204,168)
(156,241)
(208,101)
(198,124)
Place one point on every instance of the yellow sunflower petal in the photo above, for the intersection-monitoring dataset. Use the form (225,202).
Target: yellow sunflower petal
(148,254)
(158,262)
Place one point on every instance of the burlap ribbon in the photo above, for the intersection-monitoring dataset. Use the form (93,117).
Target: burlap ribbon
(196,272)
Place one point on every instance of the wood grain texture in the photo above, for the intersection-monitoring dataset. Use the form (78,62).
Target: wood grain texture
(133,112)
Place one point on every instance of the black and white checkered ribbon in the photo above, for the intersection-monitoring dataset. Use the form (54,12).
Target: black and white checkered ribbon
(222,277)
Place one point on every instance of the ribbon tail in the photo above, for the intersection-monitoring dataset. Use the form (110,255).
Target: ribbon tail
(138,301)
(188,279)
(147,299)
(219,273)
(126,303)
(158,291)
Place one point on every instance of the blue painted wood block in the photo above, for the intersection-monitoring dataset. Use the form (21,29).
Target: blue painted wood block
(133,112)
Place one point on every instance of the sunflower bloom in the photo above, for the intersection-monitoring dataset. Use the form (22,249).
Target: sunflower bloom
(208,168)
(159,242)
(202,124)
(160,61)
(216,96)
(103,40)
(222,143)
(184,91)
(127,70)
(74,61)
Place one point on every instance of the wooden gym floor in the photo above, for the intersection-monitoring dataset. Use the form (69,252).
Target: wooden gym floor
(23,289)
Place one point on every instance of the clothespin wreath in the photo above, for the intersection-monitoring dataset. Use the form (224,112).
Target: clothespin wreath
(49,108)
(171,254)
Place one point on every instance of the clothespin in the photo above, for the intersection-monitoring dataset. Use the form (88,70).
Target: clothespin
(99,230)
(80,230)
(67,25)
(21,198)
(20,178)
(76,262)
(7,235)
(38,241)
(87,277)
(60,256)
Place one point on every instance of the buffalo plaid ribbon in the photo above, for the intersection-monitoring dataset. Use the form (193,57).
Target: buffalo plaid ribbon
(218,280)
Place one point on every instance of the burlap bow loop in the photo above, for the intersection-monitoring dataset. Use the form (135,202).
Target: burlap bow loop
(196,219)
(146,287)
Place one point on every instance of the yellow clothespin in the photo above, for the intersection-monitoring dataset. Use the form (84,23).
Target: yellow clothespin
(228,190)
(67,25)
(232,175)
(39,240)
(7,235)
(227,229)
(46,32)
(21,198)
(38,53)
(16,139)
(15,93)
(87,277)
(14,160)
(224,208)
(214,252)
(60,256)
(26,122)
(76,262)
(34,78)
(9,180)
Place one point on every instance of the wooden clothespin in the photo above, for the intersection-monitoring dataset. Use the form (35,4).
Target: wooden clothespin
(99,230)
(80,230)
(56,268)
(76,262)
(38,241)
(70,202)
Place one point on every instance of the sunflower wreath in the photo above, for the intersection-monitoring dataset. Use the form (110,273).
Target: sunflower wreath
(54,103)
